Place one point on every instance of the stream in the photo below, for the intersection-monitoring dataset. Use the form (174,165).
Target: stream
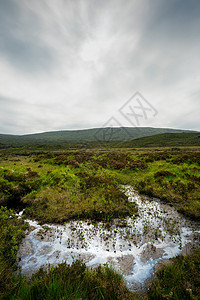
(133,245)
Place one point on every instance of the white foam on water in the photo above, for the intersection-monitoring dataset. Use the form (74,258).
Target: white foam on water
(157,233)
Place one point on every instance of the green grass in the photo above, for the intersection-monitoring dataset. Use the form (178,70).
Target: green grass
(179,280)
(62,188)
(174,178)
(87,138)
(11,234)
(165,140)
(60,282)
(58,186)
(73,282)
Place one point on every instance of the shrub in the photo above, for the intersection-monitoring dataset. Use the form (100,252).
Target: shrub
(164,173)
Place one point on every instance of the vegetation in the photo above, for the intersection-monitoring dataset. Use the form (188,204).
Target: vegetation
(61,282)
(73,282)
(88,138)
(64,187)
(165,140)
(179,279)
(173,177)
(12,232)
(55,186)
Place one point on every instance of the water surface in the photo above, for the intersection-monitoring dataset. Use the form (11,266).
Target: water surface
(133,245)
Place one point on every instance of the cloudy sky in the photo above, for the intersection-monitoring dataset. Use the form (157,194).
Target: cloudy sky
(72,64)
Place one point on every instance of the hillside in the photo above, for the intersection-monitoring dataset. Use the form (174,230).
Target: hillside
(68,138)
(165,140)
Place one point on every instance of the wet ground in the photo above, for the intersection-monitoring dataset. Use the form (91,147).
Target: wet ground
(133,245)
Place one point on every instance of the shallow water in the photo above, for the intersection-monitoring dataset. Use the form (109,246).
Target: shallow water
(132,245)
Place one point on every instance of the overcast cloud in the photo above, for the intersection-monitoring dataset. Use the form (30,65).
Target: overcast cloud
(73,64)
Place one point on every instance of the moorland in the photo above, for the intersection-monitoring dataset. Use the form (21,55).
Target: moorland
(59,185)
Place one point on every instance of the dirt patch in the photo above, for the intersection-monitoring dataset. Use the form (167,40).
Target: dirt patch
(25,249)
(45,236)
(55,255)
(86,257)
(126,263)
(151,252)
(45,250)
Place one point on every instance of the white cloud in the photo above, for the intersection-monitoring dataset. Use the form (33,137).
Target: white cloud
(72,64)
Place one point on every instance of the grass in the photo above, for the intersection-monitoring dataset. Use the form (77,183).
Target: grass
(93,138)
(58,186)
(178,280)
(165,140)
(174,178)
(73,282)
(11,233)
(57,193)
(60,282)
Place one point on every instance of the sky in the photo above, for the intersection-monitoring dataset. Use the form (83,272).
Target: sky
(75,64)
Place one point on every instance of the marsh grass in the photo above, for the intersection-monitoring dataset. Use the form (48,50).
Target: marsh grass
(178,185)
(73,282)
(59,191)
(178,280)
(78,195)
(56,282)
(58,186)
(11,234)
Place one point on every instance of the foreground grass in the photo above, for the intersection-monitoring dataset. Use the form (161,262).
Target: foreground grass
(11,234)
(179,280)
(60,282)
(73,282)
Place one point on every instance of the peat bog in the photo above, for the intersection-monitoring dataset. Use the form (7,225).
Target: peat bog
(77,198)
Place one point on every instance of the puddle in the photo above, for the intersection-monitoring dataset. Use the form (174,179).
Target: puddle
(131,245)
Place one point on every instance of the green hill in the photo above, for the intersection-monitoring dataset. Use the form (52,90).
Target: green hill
(165,140)
(90,137)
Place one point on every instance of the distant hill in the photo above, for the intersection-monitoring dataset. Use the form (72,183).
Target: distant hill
(165,140)
(94,137)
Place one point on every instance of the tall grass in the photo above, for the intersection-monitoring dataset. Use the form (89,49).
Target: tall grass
(179,280)
(11,234)
(73,282)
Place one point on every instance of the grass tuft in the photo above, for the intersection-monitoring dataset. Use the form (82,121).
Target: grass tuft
(179,280)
